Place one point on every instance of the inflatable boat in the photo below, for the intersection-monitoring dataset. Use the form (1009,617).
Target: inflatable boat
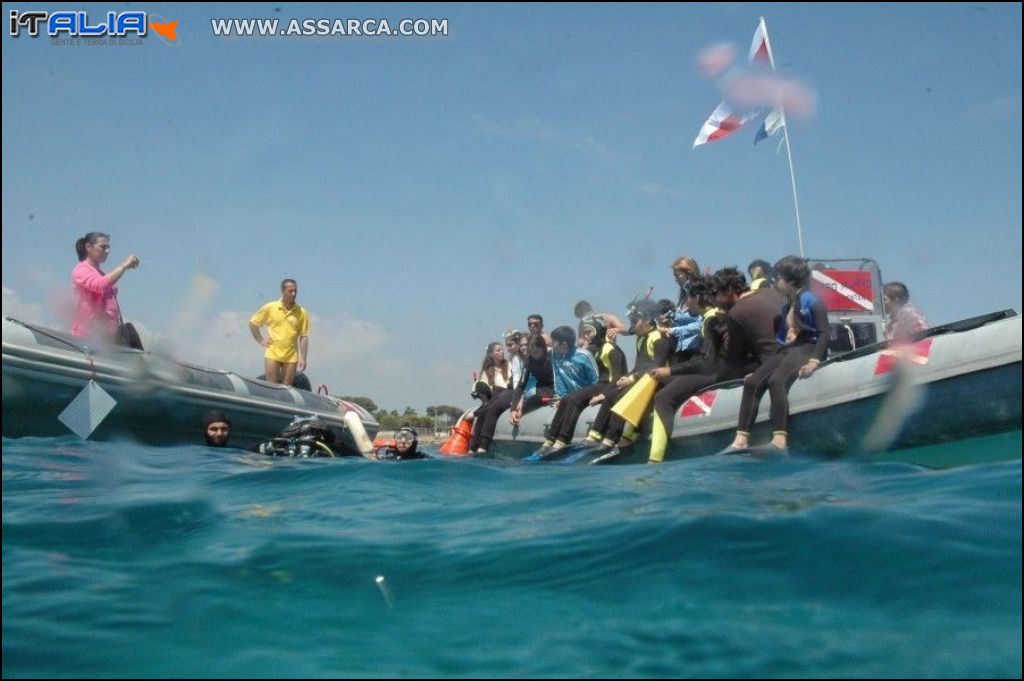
(956,381)
(124,392)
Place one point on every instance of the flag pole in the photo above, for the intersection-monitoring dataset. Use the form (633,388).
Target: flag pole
(785,137)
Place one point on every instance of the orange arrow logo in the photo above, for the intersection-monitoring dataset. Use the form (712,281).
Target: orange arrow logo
(168,30)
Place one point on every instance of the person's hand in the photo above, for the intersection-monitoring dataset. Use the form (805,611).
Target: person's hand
(266,342)
(131,262)
(514,417)
(661,373)
(301,366)
(611,334)
(624,382)
(807,369)
(596,399)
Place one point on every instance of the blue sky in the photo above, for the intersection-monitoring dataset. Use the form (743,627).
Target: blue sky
(427,193)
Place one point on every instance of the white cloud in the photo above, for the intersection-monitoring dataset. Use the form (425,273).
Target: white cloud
(345,353)
(657,189)
(997,111)
(14,306)
(535,130)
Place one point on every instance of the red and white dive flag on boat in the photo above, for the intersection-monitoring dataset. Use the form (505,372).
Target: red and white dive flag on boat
(843,290)
(699,405)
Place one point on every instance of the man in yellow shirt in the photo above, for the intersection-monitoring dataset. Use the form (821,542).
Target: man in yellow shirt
(288,326)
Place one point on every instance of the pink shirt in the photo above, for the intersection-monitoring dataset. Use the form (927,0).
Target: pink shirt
(95,300)
(904,322)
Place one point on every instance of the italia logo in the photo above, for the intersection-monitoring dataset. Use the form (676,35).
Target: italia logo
(911,354)
(78,24)
(699,405)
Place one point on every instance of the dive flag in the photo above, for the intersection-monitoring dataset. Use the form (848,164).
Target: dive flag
(721,123)
(760,52)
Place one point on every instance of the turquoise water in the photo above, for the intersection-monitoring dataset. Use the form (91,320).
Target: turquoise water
(125,560)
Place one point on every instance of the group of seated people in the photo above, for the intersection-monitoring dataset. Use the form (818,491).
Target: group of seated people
(769,333)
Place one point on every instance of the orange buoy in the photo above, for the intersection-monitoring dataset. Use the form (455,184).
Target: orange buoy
(381,442)
(457,443)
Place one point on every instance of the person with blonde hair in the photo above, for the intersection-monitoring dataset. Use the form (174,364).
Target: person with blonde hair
(683,328)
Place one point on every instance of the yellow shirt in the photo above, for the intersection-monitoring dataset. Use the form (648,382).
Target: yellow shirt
(285,328)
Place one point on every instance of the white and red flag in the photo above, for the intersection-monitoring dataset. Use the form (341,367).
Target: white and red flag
(723,121)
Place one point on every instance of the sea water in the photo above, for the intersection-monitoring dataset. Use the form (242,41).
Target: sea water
(126,560)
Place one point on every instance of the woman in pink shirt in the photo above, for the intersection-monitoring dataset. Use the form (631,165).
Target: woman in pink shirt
(96,310)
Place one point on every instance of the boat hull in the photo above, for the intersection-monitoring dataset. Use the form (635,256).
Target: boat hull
(158,401)
(949,386)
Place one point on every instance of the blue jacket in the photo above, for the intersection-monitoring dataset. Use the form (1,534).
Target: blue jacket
(573,371)
(686,331)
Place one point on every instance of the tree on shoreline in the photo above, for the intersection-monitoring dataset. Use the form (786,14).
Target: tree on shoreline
(437,415)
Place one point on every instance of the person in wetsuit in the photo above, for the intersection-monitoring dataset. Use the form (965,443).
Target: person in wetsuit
(760,274)
(683,328)
(683,379)
(404,448)
(537,386)
(652,350)
(216,429)
(803,341)
(737,333)
(305,437)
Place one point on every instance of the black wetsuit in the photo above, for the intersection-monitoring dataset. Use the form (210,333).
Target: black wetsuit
(392,454)
(501,401)
(611,365)
(687,379)
(732,346)
(303,438)
(751,325)
(544,374)
(652,351)
(777,374)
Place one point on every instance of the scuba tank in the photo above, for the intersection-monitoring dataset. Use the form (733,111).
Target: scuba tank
(305,437)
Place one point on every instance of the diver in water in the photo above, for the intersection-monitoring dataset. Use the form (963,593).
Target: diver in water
(216,429)
(404,448)
(309,437)
(305,437)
